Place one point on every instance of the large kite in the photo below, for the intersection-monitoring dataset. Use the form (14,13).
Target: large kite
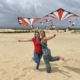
(27,21)
(61,14)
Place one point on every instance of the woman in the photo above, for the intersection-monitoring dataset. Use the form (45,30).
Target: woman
(46,51)
(37,48)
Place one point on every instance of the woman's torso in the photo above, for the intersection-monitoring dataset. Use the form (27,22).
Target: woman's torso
(45,49)
(43,44)
(37,45)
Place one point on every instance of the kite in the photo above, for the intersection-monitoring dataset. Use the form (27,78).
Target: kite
(41,23)
(32,26)
(27,21)
(51,23)
(47,20)
(61,14)
(45,26)
(72,23)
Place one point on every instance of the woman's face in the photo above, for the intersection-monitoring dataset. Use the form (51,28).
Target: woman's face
(42,34)
(37,35)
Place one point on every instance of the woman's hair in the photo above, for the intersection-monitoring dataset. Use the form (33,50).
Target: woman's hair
(35,34)
(43,32)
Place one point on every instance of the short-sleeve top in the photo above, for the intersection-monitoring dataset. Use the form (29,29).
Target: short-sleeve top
(37,45)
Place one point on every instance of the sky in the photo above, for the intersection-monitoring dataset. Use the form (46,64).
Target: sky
(11,9)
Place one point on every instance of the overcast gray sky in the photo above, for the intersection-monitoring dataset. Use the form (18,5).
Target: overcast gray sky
(11,9)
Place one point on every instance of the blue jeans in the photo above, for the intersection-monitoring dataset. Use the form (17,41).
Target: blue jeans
(37,57)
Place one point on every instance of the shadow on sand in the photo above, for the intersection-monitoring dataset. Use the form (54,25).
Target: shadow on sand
(76,70)
(67,66)
(56,69)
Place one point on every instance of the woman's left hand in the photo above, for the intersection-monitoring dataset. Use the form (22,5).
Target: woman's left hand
(55,35)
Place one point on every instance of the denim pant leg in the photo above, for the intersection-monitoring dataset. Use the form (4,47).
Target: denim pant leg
(37,58)
(40,55)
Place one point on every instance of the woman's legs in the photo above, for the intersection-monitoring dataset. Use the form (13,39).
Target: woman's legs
(37,58)
(46,57)
(55,58)
(40,55)
(47,64)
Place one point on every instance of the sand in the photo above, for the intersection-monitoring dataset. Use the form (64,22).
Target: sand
(16,58)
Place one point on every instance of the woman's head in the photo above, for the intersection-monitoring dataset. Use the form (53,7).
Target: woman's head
(37,35)
(42,34)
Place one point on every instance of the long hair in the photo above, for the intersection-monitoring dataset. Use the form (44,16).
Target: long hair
(43,32)
(35,34)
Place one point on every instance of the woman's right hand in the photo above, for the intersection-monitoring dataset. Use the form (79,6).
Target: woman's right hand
(55,35)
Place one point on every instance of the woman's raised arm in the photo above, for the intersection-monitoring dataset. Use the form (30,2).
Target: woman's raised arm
(48,38)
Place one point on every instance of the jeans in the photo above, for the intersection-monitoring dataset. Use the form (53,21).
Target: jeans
(37,57)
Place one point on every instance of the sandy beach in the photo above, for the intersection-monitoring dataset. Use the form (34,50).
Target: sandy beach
(16,58)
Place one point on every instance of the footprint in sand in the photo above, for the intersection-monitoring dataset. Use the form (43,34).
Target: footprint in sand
(16,66)
(24,69)
(23,75)
(16,78)
(2,72)
(5,61)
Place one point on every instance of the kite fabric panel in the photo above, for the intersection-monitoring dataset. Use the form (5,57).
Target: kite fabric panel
(27,21)
(61,14)
(23,21)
